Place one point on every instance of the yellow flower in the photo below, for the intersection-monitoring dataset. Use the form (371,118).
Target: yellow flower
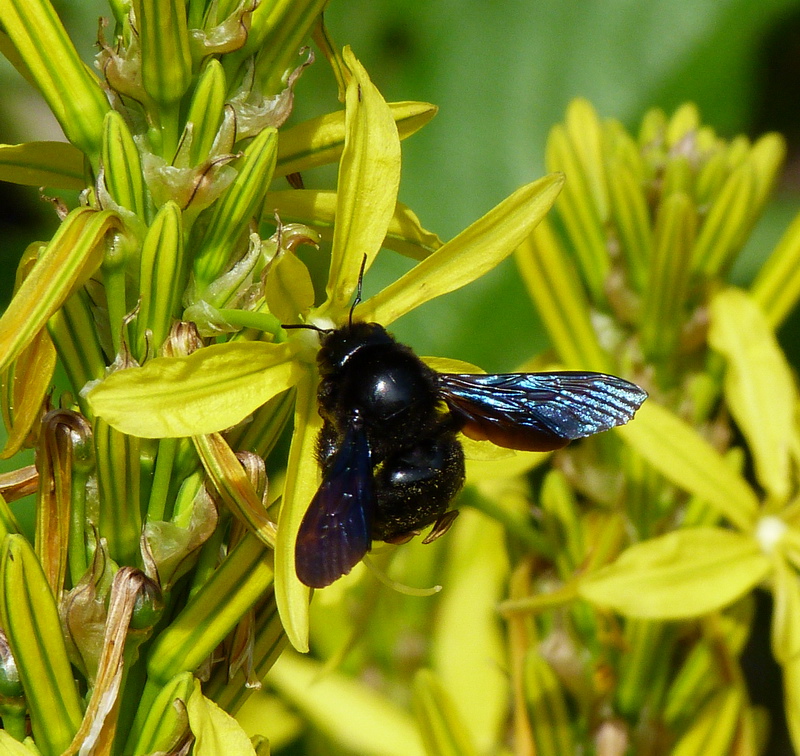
(218,386)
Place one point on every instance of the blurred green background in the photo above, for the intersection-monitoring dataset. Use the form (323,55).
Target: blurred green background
(502,73)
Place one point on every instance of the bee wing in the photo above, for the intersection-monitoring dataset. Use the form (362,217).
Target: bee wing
(335,532)
(539,411)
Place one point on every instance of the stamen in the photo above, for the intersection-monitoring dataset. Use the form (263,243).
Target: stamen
(399,587)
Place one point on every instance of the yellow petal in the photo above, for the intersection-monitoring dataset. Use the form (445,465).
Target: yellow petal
(319,141)
(475,251)
(215,730)
(786,615)
(333,703)
(758,385)
(302,479)
(791,688)
(686,573)
(73,254)
(369,175)
(442,729)
(715,726)
(55,164)
(682,456)
(317,208)
(210,390)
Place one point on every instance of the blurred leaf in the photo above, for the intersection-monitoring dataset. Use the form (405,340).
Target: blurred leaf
(712,731)
(776,287)
(682,456)
(442,729)
(468,663)
(352,714)
(726,224)
(668,275)
(560,297)
(575,149)
(547,708)
(791,698)
(786,612)
(700,672)
(759,387)
(265,713)
(58,165)
(684,574)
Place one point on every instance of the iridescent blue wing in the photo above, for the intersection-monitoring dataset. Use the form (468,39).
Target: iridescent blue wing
(539,411)
(335,532)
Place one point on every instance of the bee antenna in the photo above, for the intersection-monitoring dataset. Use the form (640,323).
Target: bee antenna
(357,300)
(309,326)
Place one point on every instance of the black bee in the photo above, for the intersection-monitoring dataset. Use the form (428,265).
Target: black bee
(389,451)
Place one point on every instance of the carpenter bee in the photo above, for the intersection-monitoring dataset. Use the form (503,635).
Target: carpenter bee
(389,451)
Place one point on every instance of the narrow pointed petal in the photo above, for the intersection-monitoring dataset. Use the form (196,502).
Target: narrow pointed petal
(468,256)
(73,254)
(684,574)
(302,480)
(319,141)
(679,453)
(210,390)
(57,165)
(369,176)
(317,208)
(68,85)
(759,386)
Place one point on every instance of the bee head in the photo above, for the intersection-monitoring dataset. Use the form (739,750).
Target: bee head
(340,344)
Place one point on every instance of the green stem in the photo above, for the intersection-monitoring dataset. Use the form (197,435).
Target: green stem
(78,561)
(260,321)
(14,722)
(213,611)
(159,492)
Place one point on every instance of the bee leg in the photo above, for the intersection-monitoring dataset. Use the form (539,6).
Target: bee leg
(441,526)
(400,538)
